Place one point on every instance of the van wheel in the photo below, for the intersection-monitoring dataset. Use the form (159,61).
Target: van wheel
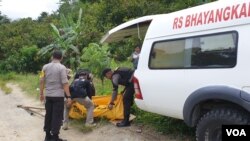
(209,126)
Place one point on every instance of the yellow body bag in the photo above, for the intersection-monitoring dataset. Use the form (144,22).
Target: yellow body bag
(78,111)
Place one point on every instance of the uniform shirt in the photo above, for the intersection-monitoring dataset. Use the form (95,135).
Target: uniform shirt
(55,75)
(122,76)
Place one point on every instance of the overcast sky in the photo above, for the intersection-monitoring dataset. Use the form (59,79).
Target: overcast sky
(15,9)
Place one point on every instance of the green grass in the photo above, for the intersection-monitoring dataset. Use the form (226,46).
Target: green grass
(4,79)
(79,124)
(4,88)
(29,83)
(163,124)
(103,88)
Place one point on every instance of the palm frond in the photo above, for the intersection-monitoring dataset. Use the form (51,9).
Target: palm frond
(75,49)
(64,21)
(55,30)
(79,19)
(46,49)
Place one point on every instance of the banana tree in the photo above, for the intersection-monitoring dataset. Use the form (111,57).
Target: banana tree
(95,58)
(66,40)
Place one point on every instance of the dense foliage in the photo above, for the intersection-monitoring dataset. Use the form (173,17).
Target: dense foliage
(72,30)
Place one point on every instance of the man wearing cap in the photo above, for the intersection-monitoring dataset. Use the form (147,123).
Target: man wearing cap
(121,76)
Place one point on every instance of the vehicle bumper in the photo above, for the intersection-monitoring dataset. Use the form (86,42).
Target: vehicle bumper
(140,104)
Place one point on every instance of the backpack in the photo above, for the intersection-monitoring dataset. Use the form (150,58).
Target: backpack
(88,78)
(78,89)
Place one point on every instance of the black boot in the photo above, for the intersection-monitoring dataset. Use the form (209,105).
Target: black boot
(55,137)
(47,137)
(124,123)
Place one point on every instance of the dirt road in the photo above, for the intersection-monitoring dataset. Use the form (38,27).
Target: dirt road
(16,124)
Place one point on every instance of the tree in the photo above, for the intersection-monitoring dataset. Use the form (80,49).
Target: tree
(4,19)
(27,58)
(20,34)
(65,40)
(95,58)
(42,16)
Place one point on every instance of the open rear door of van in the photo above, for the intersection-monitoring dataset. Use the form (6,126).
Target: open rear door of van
(137,28)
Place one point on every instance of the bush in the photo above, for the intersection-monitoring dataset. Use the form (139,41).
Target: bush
(29,62)
(7,76)
(25,60)
(10,64)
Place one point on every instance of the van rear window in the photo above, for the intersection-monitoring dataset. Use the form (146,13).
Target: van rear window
(207,51)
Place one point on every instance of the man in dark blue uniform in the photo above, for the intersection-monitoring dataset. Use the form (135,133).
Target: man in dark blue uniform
(121,76)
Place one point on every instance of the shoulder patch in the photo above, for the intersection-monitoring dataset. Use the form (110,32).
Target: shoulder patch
(42,74)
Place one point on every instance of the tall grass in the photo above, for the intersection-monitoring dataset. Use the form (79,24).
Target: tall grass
(163,124)
(103,87)
(29,83)
(79,124)
(4,88)
(4,78)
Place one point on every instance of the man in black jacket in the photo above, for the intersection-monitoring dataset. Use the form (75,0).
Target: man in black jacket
(121,76)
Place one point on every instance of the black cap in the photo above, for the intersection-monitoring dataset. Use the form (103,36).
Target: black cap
(57,54)
(82,73)
(105,71)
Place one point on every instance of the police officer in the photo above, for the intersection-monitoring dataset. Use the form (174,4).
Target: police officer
(121,76)
(54,80)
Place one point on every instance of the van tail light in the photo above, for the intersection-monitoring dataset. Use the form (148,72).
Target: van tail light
(137,88)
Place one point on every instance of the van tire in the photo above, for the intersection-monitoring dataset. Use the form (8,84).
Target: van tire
(209,126)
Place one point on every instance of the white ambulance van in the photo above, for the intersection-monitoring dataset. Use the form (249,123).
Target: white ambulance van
(194,65)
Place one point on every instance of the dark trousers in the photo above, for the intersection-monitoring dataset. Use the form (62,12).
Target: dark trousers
(128,98)
(54,107)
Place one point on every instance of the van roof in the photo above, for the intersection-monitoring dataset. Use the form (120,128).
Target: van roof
(219,14)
